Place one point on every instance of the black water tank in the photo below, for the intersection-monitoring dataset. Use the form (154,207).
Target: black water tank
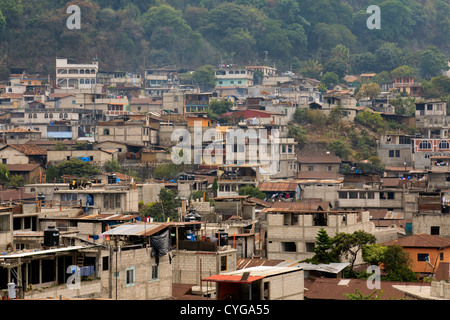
(51,237)
(223,237)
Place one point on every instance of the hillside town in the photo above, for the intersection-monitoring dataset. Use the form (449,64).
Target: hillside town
(145,186)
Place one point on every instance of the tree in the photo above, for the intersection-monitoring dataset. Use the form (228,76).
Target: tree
(215,186)
(387,57)
(371,120)
(358,295)
(369,90)
(340,148)
(373,253)
(16,181)
(168,171)
(330,79)
(403,72)
(51,174)
(76,167)
(4,173)
(323,249)
(169,202)
(396,263)
(205,76)
(432,63)
(311,69)
(112,166)
(220,106)
(252,192)
(59,146)
(349,245)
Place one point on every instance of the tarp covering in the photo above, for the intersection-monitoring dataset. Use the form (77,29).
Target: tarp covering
(161,244)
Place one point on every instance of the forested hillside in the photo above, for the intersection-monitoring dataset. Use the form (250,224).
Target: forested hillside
(291,34)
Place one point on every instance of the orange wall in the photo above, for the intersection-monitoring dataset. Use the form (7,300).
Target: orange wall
(433,255)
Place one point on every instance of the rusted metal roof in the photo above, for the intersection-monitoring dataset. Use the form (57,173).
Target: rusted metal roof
(105,216)
(249,263)
(232,278)
(420,240)
(278,186)
(137,229)
(330,159)
(335,289)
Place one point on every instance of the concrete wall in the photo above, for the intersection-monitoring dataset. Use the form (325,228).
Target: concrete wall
(144,288)
(191,266)
(304,233)
(287,286)
(422,223)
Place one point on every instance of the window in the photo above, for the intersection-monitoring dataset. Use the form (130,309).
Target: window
(51,115)
(3,161)
(391,153)
(129,277)
(444,144)
(105,263)
(434,230)
(155,272)
(310,168)
(223,263)
(424,144)
(422,257)
(46,115)
(342,195)
(288,247)
(4,223)
(441,256)
(309,246)
(397,153)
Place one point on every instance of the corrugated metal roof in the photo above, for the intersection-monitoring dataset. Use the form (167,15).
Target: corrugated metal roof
(420,240)
(232,278)
(278,186)
(40,252)
(141,229)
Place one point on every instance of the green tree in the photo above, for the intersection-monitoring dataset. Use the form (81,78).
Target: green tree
(323,249)
(373,253)
(358,295)
(52,174)
(371,120)
(112,166)
(330,79)
(168,171)
(76,167)
(252,191)
(397,264)
(349,245)
(205,76)
(311,69)
(369,90)
(432,62)
(16,181)
(220,106)
(340,148)
(5,175)
(59,146)
(169,202)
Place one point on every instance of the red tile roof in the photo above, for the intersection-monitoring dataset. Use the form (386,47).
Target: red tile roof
(22,167)
(29,149)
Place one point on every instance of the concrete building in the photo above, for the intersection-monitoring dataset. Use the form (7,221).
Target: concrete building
(395,150)
(73,76)
(291,233)
(260,283)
